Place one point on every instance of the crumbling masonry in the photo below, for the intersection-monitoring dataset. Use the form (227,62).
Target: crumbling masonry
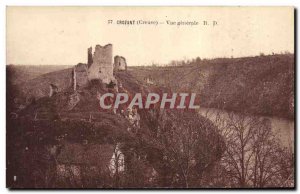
(120,63)
(99,67)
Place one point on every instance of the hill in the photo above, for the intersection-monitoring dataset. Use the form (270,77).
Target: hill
(262,85)
(22,73)
(47,127)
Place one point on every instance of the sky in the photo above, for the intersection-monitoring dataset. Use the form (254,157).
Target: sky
(61,35)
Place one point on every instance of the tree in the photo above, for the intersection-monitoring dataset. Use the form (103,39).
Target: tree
(253,156)
(189,145)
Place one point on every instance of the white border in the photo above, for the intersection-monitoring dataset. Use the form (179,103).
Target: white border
(4,3)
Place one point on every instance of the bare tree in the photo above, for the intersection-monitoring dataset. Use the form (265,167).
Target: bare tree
(254,157)
(190,145)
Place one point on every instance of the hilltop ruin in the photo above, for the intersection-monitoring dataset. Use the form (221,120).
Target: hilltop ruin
(100,66)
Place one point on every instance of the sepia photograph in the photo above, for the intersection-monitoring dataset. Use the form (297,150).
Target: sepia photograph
(157,97)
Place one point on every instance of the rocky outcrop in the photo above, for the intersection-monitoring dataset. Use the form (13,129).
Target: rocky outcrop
(73,101)
(53,90)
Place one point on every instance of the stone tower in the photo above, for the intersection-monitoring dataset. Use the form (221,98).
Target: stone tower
(101,67)
(120,63)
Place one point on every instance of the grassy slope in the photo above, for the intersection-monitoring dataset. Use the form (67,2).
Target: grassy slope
(260,85)
(39,86)
(22,73)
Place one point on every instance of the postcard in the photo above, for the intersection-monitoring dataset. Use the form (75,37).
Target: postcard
(150,97)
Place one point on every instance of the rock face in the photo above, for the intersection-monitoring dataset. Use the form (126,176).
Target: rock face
(53,90)
(149,80)
(73,101)
(120,63)
(102,66)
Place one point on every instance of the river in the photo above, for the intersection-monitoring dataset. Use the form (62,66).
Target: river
(281,127)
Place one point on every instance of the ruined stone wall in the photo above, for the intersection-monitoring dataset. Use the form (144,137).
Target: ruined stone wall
(120,63)
(90,57)
(102,66)
(80,76)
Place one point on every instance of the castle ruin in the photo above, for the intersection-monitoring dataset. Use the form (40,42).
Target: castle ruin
(80,76)
(101,67)
(120,63)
